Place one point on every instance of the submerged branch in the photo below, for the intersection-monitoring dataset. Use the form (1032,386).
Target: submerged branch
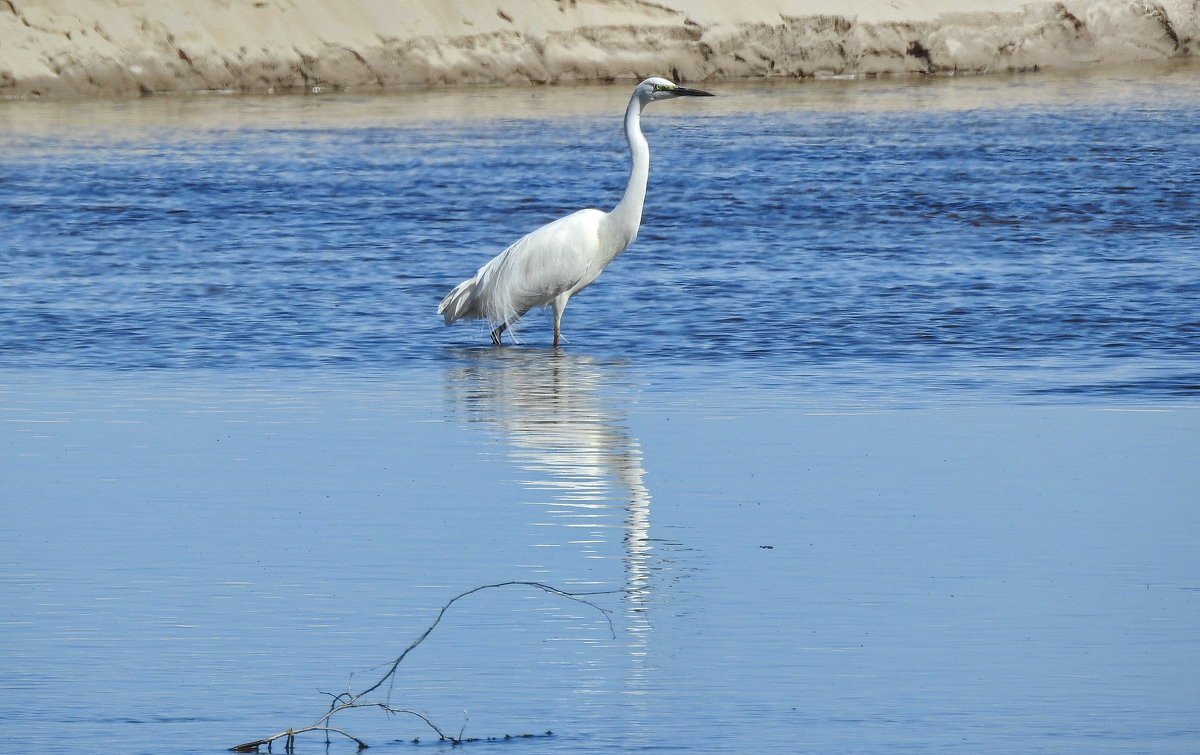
(290,736)
(575,596)
(348,700)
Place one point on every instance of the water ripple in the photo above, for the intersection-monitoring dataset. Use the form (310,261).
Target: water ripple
(891,243)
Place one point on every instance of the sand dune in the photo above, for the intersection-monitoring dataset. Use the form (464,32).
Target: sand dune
(123,47)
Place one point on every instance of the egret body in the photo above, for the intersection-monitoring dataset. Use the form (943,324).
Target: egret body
(560,259)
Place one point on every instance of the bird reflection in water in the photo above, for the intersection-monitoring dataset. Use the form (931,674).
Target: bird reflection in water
(554,414)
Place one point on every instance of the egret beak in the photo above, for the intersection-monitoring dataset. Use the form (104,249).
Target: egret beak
(685,92)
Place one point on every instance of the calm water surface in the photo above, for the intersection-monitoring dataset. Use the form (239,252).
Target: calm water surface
(885,428)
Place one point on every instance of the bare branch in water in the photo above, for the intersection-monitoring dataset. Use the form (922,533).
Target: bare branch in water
(348,700)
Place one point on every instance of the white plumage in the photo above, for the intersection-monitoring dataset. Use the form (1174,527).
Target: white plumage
(560,259)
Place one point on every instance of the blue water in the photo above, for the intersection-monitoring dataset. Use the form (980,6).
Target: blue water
(885,428)
(1045,247)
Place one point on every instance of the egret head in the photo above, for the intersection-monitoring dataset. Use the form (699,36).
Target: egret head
(654,89)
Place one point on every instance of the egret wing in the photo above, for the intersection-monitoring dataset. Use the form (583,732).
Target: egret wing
(541,265)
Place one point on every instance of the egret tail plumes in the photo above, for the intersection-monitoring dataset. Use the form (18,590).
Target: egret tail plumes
(550,265)
(461,303)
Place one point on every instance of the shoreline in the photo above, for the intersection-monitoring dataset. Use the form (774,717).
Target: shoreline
(112,48)
(78,119)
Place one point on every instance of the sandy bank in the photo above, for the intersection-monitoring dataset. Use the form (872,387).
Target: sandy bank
(121,47)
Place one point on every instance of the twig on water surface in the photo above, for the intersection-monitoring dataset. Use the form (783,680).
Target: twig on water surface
(347,700)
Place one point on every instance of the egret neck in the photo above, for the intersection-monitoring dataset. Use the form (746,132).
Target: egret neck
(621,225)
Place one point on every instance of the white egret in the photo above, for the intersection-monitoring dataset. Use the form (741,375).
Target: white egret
(560,259)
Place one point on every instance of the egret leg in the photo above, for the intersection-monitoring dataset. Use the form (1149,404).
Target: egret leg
(560,303)
(497,331)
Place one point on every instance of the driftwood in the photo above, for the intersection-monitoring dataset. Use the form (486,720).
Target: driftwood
(349,700)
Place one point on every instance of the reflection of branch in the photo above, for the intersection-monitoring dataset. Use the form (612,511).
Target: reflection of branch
(347,700)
